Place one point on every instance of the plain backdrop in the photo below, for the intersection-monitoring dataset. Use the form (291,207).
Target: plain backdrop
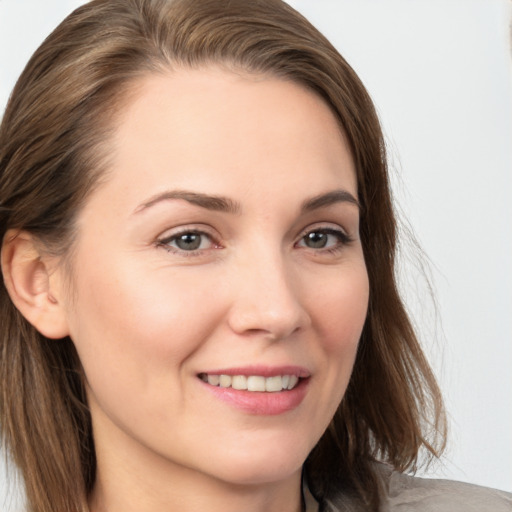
(440,74)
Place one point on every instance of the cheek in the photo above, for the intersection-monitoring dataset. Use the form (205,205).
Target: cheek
(341,310)
(338,312)
(135,333)
(134,325)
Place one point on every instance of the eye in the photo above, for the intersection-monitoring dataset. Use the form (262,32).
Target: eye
(324,238)
(187,241)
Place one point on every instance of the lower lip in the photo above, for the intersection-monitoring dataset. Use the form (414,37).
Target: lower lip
(261,403)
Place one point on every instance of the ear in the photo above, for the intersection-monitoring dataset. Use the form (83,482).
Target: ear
(33,284)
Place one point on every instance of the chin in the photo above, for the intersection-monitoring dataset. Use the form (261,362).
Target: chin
(261,466)
(255,474)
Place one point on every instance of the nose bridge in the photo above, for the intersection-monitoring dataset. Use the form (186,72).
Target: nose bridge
(266,301)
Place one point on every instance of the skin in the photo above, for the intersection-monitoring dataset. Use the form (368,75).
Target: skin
(148,316)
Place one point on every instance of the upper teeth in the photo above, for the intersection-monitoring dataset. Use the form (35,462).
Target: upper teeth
(252,382)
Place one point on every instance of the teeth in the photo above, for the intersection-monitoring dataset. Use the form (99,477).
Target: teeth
(239,382)
(214,380)
(252,382)
(255,383)
(225,381)
(274,384)
(293,381)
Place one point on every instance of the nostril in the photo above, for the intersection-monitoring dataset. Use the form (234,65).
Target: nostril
(267,321)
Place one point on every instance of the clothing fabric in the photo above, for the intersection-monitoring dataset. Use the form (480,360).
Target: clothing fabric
(404,493)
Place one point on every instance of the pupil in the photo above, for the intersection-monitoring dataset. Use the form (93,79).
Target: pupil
(189,241)
(316,240)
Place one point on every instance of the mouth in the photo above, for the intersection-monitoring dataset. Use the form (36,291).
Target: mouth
(258,390)
(254,383)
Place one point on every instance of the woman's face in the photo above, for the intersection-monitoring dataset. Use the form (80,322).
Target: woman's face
(222,252)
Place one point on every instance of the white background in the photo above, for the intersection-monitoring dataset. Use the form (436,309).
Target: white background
(440,74)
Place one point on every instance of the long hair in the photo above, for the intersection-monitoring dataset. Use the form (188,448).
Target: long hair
(54,141)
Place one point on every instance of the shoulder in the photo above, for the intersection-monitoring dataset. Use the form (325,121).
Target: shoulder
(404,493)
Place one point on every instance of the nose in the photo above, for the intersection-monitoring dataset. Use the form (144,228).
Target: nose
(267,299)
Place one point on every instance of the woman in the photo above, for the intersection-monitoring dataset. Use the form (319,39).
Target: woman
(184,330)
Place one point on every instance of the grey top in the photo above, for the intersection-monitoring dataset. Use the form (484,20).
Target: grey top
(404,493)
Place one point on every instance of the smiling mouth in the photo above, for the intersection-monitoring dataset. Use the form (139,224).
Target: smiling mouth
(256,383)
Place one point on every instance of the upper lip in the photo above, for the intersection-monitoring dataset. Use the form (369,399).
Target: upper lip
(263,371)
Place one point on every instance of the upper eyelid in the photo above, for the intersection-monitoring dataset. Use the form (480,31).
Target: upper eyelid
(344,237)
(174,232)
(164,242)
(323,226)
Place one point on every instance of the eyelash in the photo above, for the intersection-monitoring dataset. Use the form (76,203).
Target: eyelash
(342,238)
(165,242)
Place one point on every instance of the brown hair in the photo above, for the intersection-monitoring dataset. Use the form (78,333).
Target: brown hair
(53,150)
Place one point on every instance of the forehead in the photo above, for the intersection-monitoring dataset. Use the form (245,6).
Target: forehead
(211,129)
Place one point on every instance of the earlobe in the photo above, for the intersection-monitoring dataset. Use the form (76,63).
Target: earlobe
(27,277)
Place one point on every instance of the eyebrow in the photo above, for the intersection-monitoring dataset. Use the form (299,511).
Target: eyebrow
(224,204)
(329,198)
(209,202)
